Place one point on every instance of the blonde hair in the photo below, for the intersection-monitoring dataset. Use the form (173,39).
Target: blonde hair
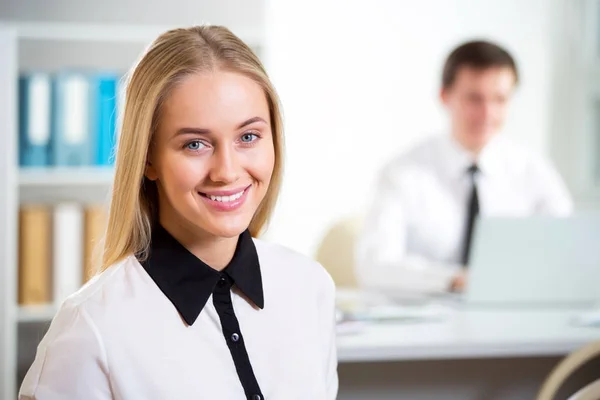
(170,58)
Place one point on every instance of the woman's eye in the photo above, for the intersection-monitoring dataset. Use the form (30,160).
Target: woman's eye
(249,137)
(194,145)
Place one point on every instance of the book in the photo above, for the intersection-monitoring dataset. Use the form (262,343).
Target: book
(34,119)
(35,260)
(73,120)
(67,248)
(105,99)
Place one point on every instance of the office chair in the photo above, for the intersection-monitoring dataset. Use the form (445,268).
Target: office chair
(336,251)
(566,368)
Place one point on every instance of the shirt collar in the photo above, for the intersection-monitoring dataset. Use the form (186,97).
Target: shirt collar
(458,159)
(188,282)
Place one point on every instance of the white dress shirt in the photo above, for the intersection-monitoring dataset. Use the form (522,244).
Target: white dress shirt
(171,327)
(414,232)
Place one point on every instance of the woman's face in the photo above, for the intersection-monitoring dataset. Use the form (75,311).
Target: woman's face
(212,155)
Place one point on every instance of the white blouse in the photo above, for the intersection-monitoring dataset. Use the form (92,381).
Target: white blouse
(171,327)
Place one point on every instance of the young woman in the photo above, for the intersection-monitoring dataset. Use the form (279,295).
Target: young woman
(189,305)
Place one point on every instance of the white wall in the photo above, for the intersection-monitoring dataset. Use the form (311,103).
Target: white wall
(359,83)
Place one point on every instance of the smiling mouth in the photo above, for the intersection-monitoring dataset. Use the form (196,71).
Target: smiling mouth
(225,198)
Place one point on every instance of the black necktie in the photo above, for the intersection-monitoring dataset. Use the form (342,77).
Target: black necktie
(472,212)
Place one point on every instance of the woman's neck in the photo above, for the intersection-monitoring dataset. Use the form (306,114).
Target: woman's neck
(214,251)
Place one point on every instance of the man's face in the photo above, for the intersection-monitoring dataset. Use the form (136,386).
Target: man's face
(478,101)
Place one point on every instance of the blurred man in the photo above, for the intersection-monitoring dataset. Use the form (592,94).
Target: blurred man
(417,235)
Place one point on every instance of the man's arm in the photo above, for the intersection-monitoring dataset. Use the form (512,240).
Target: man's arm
(383,259)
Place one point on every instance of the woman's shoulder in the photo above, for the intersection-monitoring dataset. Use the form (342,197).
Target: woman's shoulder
(279,259)
(74,330)
(100,290)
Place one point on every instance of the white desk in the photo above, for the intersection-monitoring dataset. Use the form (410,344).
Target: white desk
(469,333)
(469,354)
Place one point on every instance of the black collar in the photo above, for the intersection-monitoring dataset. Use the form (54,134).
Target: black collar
(188,282)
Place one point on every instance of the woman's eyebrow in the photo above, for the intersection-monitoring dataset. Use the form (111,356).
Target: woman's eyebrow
(203,131)
(199,131)
(251,121)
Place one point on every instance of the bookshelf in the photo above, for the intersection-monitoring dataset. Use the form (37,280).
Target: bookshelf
(46,185)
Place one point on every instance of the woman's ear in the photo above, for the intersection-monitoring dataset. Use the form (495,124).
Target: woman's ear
(150,172)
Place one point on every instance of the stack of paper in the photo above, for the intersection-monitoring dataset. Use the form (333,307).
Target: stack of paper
(588,318)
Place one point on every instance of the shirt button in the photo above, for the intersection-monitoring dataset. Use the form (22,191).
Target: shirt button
(256,397)
(222,282)
(235,337)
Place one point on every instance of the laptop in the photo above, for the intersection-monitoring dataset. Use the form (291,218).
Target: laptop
(535,261)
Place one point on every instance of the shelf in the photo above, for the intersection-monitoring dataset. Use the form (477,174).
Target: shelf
(90,32)
(52,185)
(65,176)
(41,313)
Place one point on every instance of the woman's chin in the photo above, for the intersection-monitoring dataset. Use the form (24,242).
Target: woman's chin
(227,227)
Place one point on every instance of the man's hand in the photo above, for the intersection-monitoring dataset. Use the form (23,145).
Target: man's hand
(459,282)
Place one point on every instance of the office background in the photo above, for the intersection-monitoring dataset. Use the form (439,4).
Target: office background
(359,82)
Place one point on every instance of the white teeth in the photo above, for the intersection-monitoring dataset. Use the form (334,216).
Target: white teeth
(226,199)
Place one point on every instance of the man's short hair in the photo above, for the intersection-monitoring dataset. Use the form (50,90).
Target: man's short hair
(477,54)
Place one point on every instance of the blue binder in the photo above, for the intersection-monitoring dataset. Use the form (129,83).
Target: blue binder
(34,119)
(73,120)
(105,88)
